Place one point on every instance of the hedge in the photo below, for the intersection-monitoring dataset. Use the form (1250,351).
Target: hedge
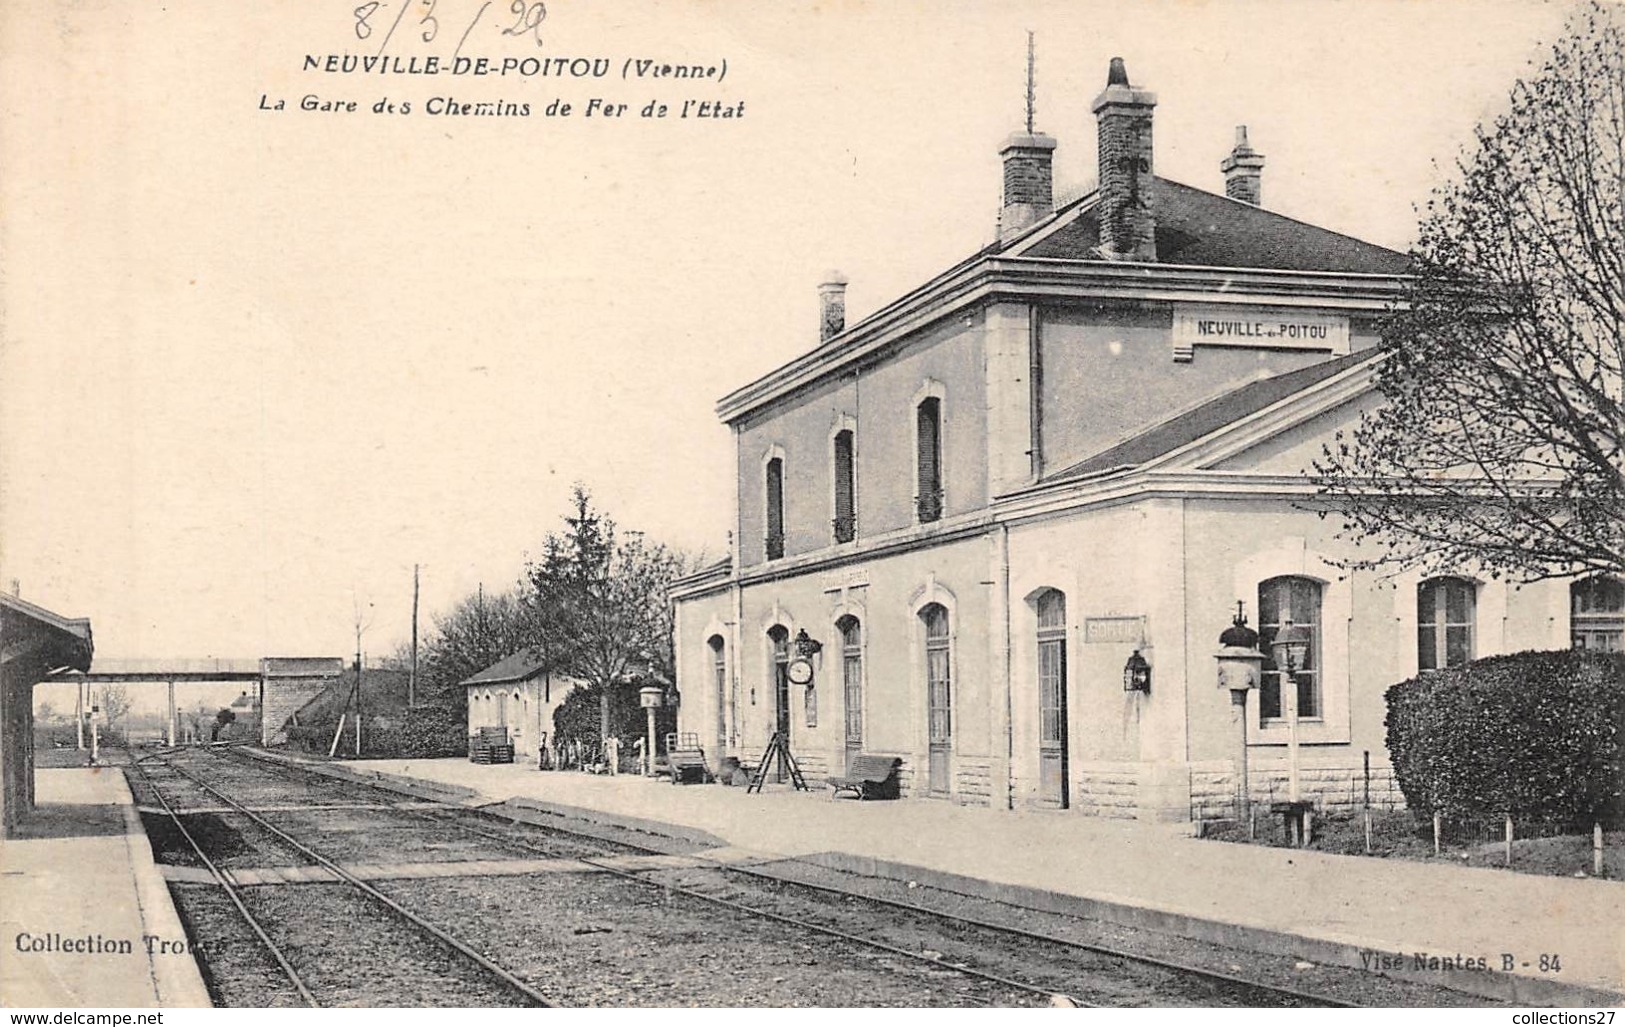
(1533,735)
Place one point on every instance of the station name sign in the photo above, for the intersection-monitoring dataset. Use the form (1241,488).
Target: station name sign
(1256,328)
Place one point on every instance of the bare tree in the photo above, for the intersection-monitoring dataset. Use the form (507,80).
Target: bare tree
(480,630)
(115,704)
(1500,444)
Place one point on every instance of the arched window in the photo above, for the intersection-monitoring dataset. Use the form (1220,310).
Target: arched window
(1052,748)
(928,438)
(719,679)
(938,694)
(852,681)
(1289,600)
(775,508)
(1597,614)
(1445,613)
(846,521)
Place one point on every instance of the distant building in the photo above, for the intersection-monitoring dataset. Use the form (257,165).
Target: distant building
(1084,442)
(520,694)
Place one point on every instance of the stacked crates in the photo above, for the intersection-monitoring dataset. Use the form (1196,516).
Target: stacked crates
(490,745)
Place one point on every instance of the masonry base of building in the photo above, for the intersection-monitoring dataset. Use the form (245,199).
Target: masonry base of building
(1159,792)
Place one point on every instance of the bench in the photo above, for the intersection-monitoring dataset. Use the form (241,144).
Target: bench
(688,765)
(869,776)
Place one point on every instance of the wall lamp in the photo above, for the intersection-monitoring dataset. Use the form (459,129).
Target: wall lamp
(1137,674)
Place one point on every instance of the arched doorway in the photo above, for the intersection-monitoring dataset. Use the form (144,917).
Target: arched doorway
(1052,717)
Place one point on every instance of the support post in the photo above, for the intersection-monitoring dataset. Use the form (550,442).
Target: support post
(1596,849)
(170,722)
(649,750)
(1244,805)
(1367,802)
(79,720)
(1437,831)
(1509,839)
(1289,690)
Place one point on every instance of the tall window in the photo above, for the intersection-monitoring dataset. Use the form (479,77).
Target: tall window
(1296,600)
(775,508)
(719,678)
(1444,622)
(846,522)
(928,433)
(1597,614)
(938,695)
(852,680)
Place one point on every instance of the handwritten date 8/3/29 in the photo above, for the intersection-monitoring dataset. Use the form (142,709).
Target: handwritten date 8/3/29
(523,21)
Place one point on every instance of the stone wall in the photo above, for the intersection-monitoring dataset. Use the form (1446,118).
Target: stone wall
(973,781)
(1332,788)
(1107,790)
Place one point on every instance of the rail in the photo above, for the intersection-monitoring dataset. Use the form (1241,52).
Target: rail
(449,941)
(1221,978)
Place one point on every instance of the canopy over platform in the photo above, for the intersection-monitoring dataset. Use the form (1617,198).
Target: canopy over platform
(34,643)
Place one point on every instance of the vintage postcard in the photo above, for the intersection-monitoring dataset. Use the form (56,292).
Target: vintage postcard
(687,503)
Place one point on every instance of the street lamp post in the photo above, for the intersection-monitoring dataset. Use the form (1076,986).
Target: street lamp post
(1239,667)
(1290,646)
(652,697)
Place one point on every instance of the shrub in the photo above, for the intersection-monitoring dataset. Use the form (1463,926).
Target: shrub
(575,722)
(1534,735)
(422,732)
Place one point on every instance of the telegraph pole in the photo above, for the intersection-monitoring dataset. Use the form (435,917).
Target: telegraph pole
(412,678)
(359,714)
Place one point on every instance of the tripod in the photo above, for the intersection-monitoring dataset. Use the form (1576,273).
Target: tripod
(778,751)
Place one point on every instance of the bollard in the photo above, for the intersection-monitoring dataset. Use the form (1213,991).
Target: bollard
(1509,840)
(1596,849)
(1436,832)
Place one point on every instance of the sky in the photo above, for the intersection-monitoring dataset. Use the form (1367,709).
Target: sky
(258,363)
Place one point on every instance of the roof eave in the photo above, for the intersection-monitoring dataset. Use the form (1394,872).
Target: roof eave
(994,276)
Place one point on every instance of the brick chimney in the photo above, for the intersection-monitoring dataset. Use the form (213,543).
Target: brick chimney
(1128,226)
(1244,171)
(832,301)
(1029,192)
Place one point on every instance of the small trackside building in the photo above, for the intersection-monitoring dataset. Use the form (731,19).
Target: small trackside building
(971,510)
(520,694)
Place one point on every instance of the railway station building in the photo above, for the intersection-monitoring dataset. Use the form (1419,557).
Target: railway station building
(1006,517)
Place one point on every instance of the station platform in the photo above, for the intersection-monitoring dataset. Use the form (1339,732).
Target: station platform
(80,899)
(1329,909)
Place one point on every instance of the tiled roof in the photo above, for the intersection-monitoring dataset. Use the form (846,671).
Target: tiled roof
(521,666)
(1200,228)
(1161,439)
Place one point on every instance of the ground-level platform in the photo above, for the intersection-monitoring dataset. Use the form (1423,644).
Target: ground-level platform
(1323,908)
(85,917)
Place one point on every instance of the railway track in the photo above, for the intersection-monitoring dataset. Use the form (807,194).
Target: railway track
(402,914)
(1216,986)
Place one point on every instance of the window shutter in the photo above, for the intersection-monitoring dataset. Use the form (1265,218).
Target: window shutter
(844,491)
(930,446)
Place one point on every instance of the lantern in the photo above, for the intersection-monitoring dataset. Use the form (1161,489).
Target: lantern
(1137,674)
(1289,647)
(1238,655)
